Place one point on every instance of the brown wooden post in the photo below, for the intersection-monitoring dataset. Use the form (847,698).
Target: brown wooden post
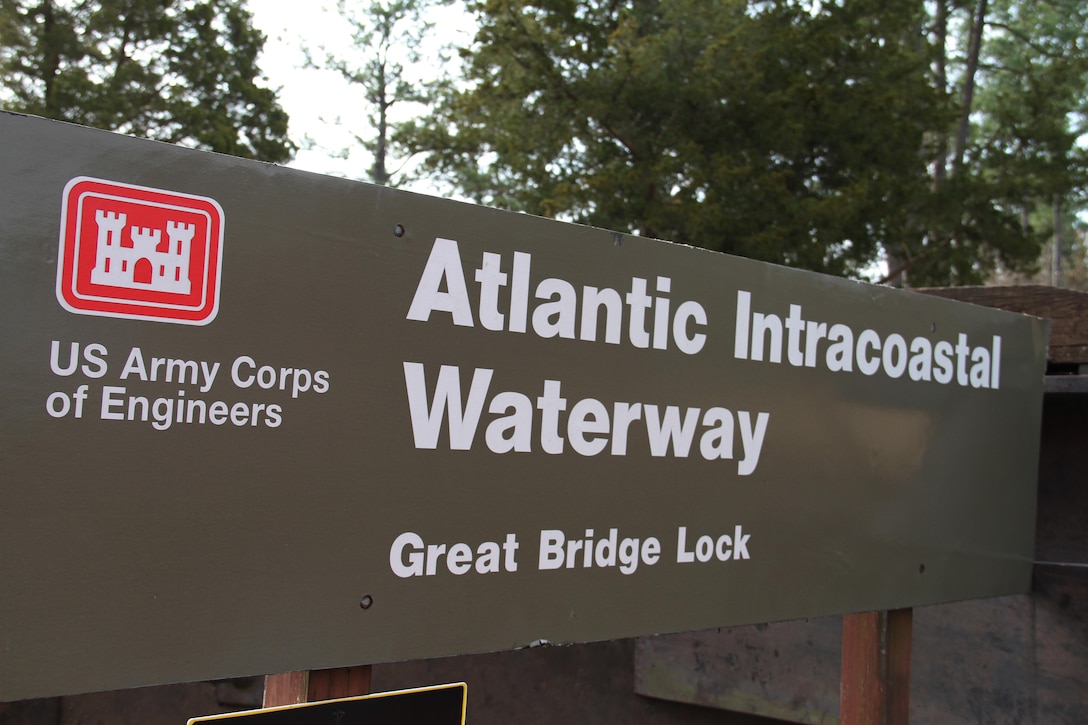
(339,682)
(875,687)
(292,688)
(288,688)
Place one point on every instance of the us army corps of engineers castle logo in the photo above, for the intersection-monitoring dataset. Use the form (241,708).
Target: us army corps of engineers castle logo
(136,252)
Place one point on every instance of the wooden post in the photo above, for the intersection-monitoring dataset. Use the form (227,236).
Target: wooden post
(875,687)
(338,682)
(292,688)
(289,688)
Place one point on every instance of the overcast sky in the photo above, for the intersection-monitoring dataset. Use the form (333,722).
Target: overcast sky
(323,108)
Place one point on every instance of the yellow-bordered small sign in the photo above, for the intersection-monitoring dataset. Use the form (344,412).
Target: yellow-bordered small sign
(435,705)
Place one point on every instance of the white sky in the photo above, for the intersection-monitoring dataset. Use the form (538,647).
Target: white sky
(322,106)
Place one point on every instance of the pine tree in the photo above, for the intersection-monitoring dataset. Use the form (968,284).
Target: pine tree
(830,136)
(388,36)
(180,71)
(1016,74)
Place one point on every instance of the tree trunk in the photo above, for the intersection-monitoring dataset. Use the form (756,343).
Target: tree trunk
(50,59)
(968,95)
(940,165)
(1056,266)
(379,174)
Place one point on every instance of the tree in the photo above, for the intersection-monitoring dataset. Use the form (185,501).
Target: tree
(390,35)
(770,130)
(1016,73)
(180,71)
(1034,112)
(825,135)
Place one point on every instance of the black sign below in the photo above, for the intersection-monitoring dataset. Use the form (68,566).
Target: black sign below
(437,705)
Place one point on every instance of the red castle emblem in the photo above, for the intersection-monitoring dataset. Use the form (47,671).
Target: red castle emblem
(136,252)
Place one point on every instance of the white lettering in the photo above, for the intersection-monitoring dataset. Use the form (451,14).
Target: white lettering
(427,418)
(444,265)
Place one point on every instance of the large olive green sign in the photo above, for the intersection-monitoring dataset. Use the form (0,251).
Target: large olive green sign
(255,420)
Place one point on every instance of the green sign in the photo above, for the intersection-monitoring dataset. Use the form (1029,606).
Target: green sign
(437,705)
(254,420)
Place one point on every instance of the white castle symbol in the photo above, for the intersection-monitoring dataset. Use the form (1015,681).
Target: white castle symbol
(142,266)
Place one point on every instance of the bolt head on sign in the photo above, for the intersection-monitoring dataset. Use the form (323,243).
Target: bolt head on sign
(136,252)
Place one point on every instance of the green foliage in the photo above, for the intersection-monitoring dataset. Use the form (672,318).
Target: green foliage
(1020,150)
(179,71)
(802,133)
(768,131)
